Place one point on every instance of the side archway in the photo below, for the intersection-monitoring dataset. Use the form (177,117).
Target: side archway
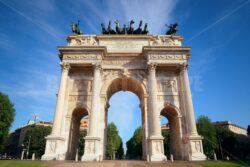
(74,131)
(173,116)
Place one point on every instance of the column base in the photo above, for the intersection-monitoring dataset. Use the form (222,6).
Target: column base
(156,149)
(54,148)
(195,148)
(91,150)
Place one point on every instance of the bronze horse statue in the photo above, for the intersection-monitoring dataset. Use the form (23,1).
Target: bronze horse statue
(75,28)
(139,29)
(110,30)
(130,29)
(126,29)
(117,27)
(172,29)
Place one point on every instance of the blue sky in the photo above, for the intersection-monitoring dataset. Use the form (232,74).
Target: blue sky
(217,31)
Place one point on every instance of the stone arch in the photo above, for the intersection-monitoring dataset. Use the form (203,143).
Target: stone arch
(172,113)
(124,83)
(77,114)
(107,83)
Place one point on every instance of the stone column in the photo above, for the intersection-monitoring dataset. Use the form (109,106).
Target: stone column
(155,129)
(60,100)
(155,139)
(55,143)
(95,101)
(188,101)
(192,141)
(92,150)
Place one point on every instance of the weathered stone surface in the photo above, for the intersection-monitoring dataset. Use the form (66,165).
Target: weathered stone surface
(152,67)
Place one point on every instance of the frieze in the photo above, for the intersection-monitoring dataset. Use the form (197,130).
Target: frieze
(167,57)
(82,57)
(123,62)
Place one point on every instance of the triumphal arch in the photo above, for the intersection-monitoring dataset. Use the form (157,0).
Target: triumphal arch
(154,67)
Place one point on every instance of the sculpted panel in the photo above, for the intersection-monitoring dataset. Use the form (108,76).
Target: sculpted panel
(167,86)
(82,41)
(81,86)
(165,41)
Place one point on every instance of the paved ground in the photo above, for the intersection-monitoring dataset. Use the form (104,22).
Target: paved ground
(121,164)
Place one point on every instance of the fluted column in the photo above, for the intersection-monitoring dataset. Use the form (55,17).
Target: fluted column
(155,117)
(95,101)
(60,99)
(188,100)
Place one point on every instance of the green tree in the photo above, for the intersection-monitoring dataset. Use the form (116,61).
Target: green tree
(82,134)
(207,130)
(7,113)
(227,140)
(120,151)
(36,136)
(113,141)
(166,144)
(134,145)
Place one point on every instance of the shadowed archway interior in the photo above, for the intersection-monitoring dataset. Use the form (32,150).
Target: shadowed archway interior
(74,131)
(173,118)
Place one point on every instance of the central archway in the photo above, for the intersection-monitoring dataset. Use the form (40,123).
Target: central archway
(136,87)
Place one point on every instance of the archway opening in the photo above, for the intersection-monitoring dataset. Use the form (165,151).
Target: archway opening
(171,131)
(77,132)
(126,111)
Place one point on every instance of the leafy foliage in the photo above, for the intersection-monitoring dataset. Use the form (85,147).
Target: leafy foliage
(207,130)
(7,113)
(114,142)
(134,145)
(166,141)
(82,134)
(228,142)
(37,136)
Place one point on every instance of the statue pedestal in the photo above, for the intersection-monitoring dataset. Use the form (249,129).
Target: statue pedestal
(91,152)
(196,148)
(156,148)
(54,148)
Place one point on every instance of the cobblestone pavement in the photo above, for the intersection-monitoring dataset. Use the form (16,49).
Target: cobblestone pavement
(120,164)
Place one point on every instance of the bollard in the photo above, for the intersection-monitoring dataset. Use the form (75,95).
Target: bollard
(33,156)
(215,157)
(22,155)
(172,158)
(76,158)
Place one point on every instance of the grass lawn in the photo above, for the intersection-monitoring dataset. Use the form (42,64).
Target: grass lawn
(19,163)
(225,164)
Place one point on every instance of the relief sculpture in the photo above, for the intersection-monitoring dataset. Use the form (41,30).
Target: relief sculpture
(167,86)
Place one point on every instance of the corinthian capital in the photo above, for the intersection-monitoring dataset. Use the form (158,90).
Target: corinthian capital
(183,66)
(65,66)
(152,66)
(97,66)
